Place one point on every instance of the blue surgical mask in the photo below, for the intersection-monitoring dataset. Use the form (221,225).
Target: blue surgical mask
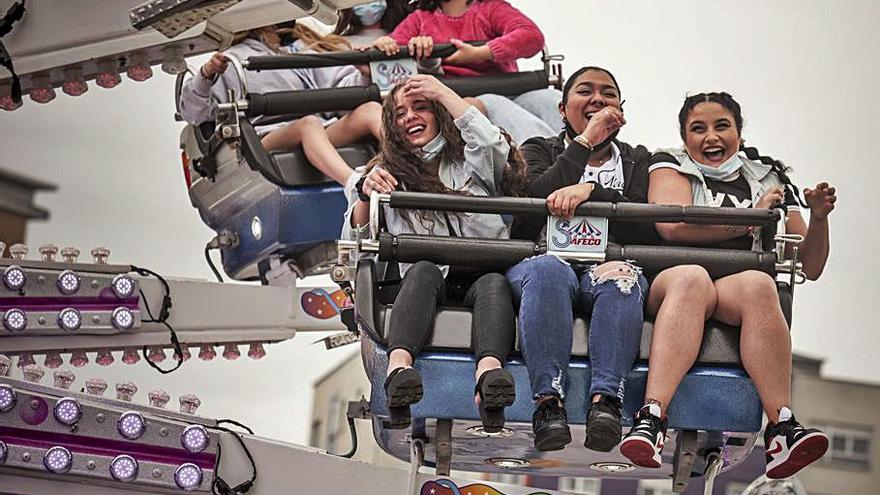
(433,148)
(723,172)
(370,13)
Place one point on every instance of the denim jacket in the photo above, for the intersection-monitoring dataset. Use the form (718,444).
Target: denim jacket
(479,174)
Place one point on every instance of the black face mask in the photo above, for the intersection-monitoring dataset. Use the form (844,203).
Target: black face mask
(570,132)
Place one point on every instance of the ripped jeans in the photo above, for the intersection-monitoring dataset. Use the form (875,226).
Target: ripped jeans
(549,292)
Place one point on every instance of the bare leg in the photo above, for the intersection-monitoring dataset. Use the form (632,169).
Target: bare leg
(682,298)
(365,120)
(310,133)
(399,358)
(750,300)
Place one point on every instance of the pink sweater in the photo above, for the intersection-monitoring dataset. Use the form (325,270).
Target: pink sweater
(509,33)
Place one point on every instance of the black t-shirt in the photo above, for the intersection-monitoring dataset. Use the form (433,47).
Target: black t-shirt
(735,193)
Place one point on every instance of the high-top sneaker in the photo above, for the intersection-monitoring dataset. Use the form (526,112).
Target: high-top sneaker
(789,447)
(550,426)
(643,443)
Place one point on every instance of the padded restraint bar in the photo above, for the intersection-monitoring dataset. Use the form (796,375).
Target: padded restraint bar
(497,254)
(332,59)
(616,211)
(304,102)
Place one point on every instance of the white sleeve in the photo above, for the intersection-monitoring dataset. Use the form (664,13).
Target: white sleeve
(349,232)
(196,99)
(655,166)
(486,150)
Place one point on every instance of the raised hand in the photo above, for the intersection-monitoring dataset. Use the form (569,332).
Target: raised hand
(774,196)
(603,124)
(820,200)
(216,65)
(563,202)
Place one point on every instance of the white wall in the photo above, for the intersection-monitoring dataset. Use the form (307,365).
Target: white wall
(803,71)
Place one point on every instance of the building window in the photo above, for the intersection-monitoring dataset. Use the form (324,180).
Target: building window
(655,487)
(507,479)
(315,437)
(585,486)
(849,446)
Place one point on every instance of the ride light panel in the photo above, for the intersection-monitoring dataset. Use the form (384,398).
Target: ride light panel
(7,398)
(124,468)
(70,319)
(131,425)
(188,476)
(123,286)
(15,320)
(122,318)
(67,411)
(14,277)
(58,460)
(195,438)
(69,282)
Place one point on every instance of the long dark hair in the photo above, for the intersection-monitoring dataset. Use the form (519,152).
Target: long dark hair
(726,100)
(566,90)
(404,161)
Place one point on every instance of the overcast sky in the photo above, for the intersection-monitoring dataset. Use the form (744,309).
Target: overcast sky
(804,72)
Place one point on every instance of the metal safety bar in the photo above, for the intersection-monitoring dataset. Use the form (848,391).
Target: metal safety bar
(632,212)
(332,59)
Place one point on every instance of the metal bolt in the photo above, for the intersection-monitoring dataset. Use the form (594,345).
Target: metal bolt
(41,320)
(158,398)
(96,319)
(5,364)
(163,432)
(25,457)
(157,473)
(33,373)
(126,390)
(91,465)
(35,404)
(18,251)
(189,403)
(70,254)
(41,280)
(95,284)
(96,386)
(64,378)
(48,252)
(100,417)
(100,255)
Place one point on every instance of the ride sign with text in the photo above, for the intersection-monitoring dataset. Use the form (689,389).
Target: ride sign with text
(578,234)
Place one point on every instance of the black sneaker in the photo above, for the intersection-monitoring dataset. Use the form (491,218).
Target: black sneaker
(643,443)
(603,424)
(790,447)
(550,426)
(402,388)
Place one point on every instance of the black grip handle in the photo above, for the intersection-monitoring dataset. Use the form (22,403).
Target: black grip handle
(332,59)
(310,101)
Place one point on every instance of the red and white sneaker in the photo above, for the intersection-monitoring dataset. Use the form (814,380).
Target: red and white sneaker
(643,443)
(790,447)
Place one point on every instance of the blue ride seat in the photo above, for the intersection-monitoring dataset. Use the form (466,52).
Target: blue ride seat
(716,398)
(278,204)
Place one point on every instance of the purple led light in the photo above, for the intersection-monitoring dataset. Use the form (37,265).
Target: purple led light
(15,320)
(67,411)
(188,476)
(14,277)
(58,460)
(123,318)
(194,438)
(131,425)
(70,319)
(68,282)
(123,286)
(124,468)
(7,398)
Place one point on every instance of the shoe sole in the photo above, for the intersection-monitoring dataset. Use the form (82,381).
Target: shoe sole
(497,392)
(553,439)
(603,434)
(640,451)
(806,452)
(406,389)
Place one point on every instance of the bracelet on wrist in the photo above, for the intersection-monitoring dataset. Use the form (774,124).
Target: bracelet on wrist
(584,142)
(359,187)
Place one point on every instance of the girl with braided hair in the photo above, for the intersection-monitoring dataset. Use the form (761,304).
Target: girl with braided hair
(714,169)
(436,142)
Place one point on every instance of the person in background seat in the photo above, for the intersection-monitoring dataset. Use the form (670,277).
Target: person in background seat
(584,163)
(318,135)
(509,36)
(436,142)
(363,24)
(715,169)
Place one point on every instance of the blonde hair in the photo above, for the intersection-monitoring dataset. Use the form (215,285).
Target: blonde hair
(310,39)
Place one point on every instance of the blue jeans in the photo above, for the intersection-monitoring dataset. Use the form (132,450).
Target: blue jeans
(548,292)
(531,114)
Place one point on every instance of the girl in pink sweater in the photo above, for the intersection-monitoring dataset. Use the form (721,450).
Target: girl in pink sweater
(509,36)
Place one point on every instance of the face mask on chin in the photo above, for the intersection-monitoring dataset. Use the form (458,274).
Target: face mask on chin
(433,147)
(370,13)
(725,171)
